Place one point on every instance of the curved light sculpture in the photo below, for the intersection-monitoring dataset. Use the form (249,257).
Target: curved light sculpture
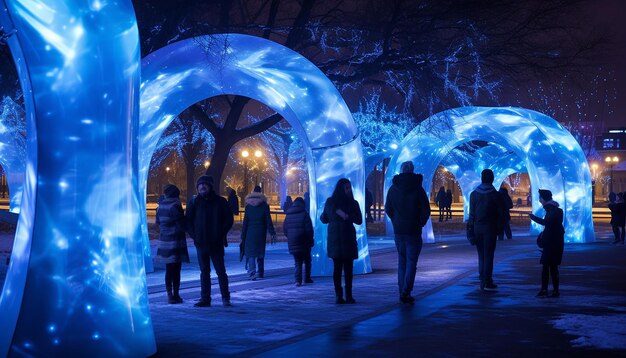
(76,284)
(183,73)
(13,160)
(551,155)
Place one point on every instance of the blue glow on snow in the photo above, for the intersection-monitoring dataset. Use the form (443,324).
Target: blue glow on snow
(552,157)
(78,237)
(185,72)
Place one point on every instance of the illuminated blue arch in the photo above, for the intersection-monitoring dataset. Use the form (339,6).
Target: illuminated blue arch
(76,285)
(551,155)
(181,74)
(14,164)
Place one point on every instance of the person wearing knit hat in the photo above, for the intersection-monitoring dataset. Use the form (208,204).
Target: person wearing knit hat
(486,219)
(552,241)
(209,219)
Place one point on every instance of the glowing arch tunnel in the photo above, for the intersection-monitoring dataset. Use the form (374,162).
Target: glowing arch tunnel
(76,283)
(183,73)
(552,157)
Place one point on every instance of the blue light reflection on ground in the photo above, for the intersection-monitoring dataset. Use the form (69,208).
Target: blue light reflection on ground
(76,284)
(185,72)
(551,155)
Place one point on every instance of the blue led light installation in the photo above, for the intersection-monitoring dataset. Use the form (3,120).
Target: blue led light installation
(551,155)
(13,150)
(185,72)
(76,284)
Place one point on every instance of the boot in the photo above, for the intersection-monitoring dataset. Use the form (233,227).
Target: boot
(170,295)
(339,294)
(349,298)
(177,298)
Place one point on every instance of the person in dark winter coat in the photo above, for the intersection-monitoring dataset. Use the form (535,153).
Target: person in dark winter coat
(618,216)
(172,242)
(298,229)
(341,212)
(233,202)
(409,209)
(369,202)
(553,242)
(257,222)
(621,217)
(208,221)
(486,219)
(508,205)
(448,204)
(288,203)
(440,200)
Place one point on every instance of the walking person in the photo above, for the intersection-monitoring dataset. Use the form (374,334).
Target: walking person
(552,241)
(486,219)
(440,200)
(208,221)
(341,212)
(618,216)
(298,229)
(508,205)
(448,204)
(233,201)
(409,209)
(172,242)
(257,222)
(288,203)
(369,202)
(621,217)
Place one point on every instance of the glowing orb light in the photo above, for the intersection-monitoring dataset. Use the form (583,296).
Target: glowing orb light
(183,73)
(76,284)
(552,157)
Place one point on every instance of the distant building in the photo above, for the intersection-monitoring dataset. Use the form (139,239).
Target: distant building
(611,146)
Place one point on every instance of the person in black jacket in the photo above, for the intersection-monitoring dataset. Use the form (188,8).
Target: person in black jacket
(448,204)
(298,229)
(233,201)
(257,222)
(172,242)
(553,242)
(440,200)
(208,221)
(341,212)
(409,209)
(508,205)
(486,219)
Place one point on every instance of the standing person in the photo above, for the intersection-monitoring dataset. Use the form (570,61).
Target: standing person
(486,219)
(233,201)
(288,203)
(341,212)
(369,201)
(618,214)
(552,243)
(307,202)
(508,205)
(257,222)
(208,221)
(448,204)
(298,229)
(409,209)
(440,200)
(172,243)
(621,217)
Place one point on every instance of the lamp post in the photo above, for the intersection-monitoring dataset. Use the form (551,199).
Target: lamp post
(594,168)
(245,154)
(611,161)
(258,154)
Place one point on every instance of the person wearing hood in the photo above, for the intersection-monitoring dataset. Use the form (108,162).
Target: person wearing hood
(233,201)
(172,242)
(208,221)
(552,242)
(485,221)
(409,209)
(257,222)
(298,229)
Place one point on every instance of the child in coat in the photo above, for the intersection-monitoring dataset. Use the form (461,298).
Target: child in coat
(299,232)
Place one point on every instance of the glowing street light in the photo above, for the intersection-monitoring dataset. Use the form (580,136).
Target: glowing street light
(611,161)
(206,164)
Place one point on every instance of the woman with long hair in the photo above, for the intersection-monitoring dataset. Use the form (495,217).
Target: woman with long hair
(341,212)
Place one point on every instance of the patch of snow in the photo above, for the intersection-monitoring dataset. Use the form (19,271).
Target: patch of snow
(604,332)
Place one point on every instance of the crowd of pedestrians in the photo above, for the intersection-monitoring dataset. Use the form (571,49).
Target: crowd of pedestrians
(209,217)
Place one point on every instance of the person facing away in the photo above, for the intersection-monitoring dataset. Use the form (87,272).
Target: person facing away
(408,208)
(553,237)
(486,219)
(257,222)
(298,229)
(618,216)
(448,204)
(341,212)
(508,205)
(233,202)
(369,202)
(172,242)
(208,221)
(288,203)
(440,200)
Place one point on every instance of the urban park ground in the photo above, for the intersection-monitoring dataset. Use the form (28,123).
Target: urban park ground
(450,318)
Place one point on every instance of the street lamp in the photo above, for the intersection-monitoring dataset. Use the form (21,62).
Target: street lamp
(206,164)
(245,154)
(258,154)
(611,161)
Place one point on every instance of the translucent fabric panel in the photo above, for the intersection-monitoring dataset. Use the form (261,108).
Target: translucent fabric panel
(553,158)
(76,284)
(185,72)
